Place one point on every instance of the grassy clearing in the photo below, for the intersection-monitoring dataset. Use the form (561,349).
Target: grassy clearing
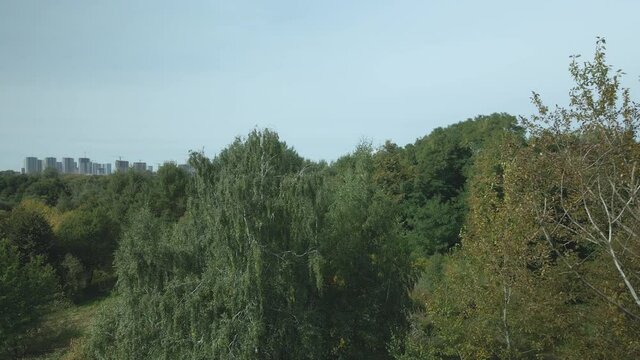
(61,330)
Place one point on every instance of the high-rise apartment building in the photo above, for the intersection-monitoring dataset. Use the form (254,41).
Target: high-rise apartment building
(49,162)
(84,166)
(95,169)
(140,166)
(122,166)
(31,165)
(68,165)
(100,169)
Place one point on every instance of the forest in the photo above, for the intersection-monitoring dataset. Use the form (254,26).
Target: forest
(498,237)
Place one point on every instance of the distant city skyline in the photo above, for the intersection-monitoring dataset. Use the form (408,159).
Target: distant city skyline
(154,79)
(85,166)
(60,160)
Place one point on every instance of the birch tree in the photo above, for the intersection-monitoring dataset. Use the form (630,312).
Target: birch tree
(588,204)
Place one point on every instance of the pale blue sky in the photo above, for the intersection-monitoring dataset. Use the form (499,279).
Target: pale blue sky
(151,80)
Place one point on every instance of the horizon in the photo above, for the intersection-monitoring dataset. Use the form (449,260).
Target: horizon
(101,162)
(154,80)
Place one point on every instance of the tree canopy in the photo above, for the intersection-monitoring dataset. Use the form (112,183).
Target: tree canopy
(492,238)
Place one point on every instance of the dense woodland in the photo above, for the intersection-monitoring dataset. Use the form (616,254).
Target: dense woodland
(495,237)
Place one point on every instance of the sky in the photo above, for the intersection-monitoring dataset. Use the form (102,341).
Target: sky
(151,80)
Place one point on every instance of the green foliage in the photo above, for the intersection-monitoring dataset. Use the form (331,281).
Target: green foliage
(366,269)
(507,299)
(548,223)
(393,171)
(582,164)
(13,187)
(26,288)
(48,188)
(74,277)
(236,277)
(170,197)
(89,235)
(262,265)
(590,154)
(126,192)
(527,247)
(428,178)
(82,216)
(435,226)
(28,229)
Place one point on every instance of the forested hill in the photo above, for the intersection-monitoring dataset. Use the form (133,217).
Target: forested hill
(413,198)
(429,178)
(491,238)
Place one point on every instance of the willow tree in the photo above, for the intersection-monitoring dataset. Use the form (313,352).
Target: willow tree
(237,277)
(276,258)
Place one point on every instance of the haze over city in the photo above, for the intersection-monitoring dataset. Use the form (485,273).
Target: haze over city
(152,80)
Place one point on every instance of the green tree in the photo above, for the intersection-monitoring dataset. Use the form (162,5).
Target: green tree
(170,199)
(85,243)
(549,238)
(591,154)
(26,288)
(582,164)
(262,265)
(48,187)
(508,299)
(367,270)
(393,171)
(237,278)
(89,235)
(125,193)
(28,229)
(436,206)
(74,277)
